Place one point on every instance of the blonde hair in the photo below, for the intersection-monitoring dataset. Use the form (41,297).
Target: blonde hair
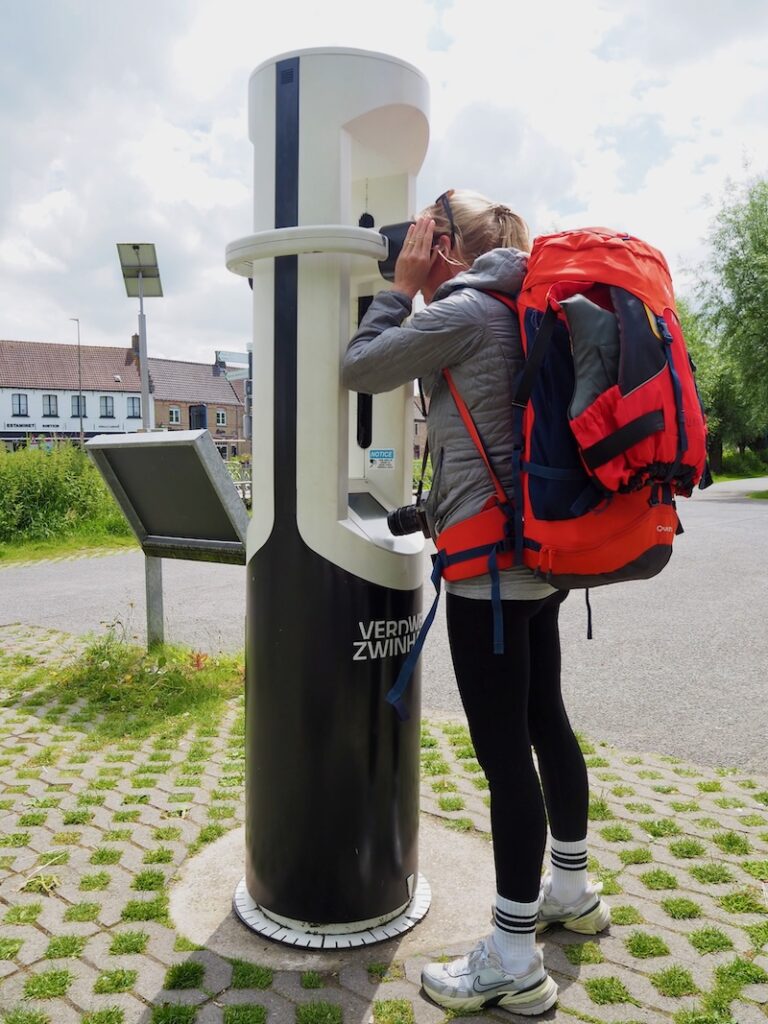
(479,224)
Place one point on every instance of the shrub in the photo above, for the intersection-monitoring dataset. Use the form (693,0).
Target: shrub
(55,493)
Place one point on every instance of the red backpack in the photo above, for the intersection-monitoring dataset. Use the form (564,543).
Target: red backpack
(608,427)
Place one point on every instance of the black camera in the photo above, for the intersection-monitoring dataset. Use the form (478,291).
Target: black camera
(408,519)
(395,236)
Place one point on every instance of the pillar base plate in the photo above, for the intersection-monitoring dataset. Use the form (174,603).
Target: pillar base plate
(253,917)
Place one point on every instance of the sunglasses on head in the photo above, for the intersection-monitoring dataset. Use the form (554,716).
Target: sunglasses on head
(444,201)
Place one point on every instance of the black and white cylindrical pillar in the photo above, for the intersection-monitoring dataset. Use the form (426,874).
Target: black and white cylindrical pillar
(334,600)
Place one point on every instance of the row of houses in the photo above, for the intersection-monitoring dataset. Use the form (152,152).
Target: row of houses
(51,391)
(48,391)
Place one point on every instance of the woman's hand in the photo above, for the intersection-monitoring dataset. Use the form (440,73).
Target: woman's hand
(416,258)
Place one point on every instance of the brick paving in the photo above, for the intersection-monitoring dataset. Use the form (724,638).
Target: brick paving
(92,837)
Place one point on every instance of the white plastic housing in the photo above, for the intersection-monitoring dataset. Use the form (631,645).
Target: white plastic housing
(363,134)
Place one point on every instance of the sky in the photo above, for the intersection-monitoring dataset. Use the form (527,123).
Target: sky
(128,122)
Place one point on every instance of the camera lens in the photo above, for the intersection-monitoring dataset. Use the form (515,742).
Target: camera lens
(405,520)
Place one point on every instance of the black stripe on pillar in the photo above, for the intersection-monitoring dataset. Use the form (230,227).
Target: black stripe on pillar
(286,287)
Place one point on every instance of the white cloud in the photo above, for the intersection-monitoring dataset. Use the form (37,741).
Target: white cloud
(600,111)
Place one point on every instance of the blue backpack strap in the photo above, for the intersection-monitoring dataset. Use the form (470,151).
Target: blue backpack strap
(682,433)
(396,694)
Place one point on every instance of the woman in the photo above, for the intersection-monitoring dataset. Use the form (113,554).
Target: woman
(460,247)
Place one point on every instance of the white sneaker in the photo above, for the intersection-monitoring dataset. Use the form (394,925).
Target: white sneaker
(587,915)
(479,980)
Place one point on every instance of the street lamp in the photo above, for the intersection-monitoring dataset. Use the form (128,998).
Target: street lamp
(141,274)
(79,381)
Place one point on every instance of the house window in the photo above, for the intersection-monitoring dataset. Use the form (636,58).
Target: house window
(106,407)
(134,407)
(19,403)
(221,418)
(50,405)
(78,405)
(174,415)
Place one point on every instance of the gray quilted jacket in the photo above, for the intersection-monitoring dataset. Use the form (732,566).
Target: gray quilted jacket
(477,338)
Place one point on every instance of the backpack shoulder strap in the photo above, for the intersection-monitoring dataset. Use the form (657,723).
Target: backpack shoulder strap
(469,423)
(538,349)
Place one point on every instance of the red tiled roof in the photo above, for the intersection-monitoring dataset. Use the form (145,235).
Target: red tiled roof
(42,364)
(177,381)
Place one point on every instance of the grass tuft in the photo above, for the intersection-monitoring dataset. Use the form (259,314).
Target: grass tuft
(148,881)
(48,984)
(711,874)
(62,946)
(9,948)
(393,1011)
(146,910)
(173,1013)
(686,849)
(626,915)
(248,975)
(82,912)
(661,828)
(743,901)
(128,943)
(318,1013)
(311,979)
(246,1013)
(110,1015)
(584,953)
(640,855)
(23,913)
(109,982)
(617,833)
(659,879)
(732,842)
(681,909)
(710,940)
(23,1016)
(608,991)
(674,982)
(189,974)
(599,810)
(644,945)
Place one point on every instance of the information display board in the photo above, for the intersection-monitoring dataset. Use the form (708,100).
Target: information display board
(175,492)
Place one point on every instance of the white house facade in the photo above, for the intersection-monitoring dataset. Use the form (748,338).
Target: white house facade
(47,390)
(52,411)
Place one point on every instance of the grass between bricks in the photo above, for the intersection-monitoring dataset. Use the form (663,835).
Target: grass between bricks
(246,1013)
(393,1011)
(186,975)
(110,1015)
(131,693)
(248,975)
(673,981)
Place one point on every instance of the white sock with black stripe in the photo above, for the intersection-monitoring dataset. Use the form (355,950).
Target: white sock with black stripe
(514,933)
(569,870)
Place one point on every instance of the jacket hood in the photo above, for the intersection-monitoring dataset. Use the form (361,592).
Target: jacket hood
(500,270)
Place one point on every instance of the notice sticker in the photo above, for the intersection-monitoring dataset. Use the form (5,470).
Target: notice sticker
(381,458)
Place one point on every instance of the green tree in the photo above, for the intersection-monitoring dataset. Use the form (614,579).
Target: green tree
(735,295)
(718,380)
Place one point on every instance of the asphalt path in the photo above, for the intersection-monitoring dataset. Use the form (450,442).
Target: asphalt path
(677,665)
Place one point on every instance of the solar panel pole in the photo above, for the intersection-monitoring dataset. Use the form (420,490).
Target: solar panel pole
(138,262)
(143,367)
(79,382)
(153,575)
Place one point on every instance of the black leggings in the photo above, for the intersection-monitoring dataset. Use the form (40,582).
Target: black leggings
(513,700)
